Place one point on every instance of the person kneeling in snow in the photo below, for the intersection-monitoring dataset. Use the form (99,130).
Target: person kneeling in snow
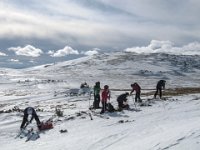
(29,114)
(122,101)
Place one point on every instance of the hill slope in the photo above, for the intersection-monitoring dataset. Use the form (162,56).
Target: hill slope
(170,124)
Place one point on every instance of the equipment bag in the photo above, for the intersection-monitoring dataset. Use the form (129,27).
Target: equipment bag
(111,108)
(46,125)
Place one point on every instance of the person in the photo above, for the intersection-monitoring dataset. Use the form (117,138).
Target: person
(105,95)
(84,89)
(29,114)
(159,87)
(97,90)
(84,85)
(122,99)
(137,89)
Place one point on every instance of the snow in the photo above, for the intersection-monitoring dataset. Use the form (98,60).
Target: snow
(168,124)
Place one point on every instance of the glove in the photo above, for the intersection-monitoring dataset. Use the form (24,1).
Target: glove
(21,128)
(39,125)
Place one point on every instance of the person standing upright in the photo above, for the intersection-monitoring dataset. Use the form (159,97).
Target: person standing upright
(137,89)
(105,95)
(160,85)
(97,90)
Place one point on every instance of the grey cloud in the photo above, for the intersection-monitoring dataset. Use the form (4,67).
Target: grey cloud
(98,23)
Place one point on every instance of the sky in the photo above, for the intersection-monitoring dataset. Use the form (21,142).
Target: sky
(36,32)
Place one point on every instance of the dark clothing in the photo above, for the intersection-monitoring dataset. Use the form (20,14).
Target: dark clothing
(110,107)
(137,97)
(121,99)
(25,118)
(84,85)
(104,107)
(96,101)
(156,93)
(161,84)
(159,87)
(97,90)
(137,89)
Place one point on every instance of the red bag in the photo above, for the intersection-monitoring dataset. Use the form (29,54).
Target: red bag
(46,125)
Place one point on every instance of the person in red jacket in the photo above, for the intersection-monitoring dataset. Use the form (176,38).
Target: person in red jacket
(105,95)
(137,89)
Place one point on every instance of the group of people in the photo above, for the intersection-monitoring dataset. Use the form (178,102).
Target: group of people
(121,99)
(105,96)
(30,113)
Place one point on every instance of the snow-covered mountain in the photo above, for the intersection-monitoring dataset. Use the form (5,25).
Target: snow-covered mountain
(113,67)
(169,124)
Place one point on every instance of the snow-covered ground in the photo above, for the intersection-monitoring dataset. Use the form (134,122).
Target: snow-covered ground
(172,123)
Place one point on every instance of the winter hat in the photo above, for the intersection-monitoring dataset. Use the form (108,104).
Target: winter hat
(98,83)
(106,86)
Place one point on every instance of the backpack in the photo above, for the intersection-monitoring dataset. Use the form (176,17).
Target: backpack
(110,108)
(46,125)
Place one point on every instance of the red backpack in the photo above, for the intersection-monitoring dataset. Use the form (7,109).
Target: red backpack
(46,125)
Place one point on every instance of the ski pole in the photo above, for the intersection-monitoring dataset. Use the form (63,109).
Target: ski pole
(134,102)
(89,103)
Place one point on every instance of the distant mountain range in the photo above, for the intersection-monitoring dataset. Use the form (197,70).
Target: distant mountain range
(120,69)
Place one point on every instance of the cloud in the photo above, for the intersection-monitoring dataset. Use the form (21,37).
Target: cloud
(112,24)
(14,60)
(63,52)
(32,61)
(71,21)
(168,12)
(167,47)
(92,52)
(2,54)
(26,51)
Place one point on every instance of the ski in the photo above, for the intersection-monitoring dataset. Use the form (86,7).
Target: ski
(24,133)
(19,134)
(144,103)
(100,115)
(134,109)
(121,122)
(90,115)
(29,134)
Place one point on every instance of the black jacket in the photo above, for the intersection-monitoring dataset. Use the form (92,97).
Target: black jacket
(122,98)
(34,115)
(161,84)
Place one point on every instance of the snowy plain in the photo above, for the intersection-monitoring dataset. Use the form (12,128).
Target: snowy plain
(170,124)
